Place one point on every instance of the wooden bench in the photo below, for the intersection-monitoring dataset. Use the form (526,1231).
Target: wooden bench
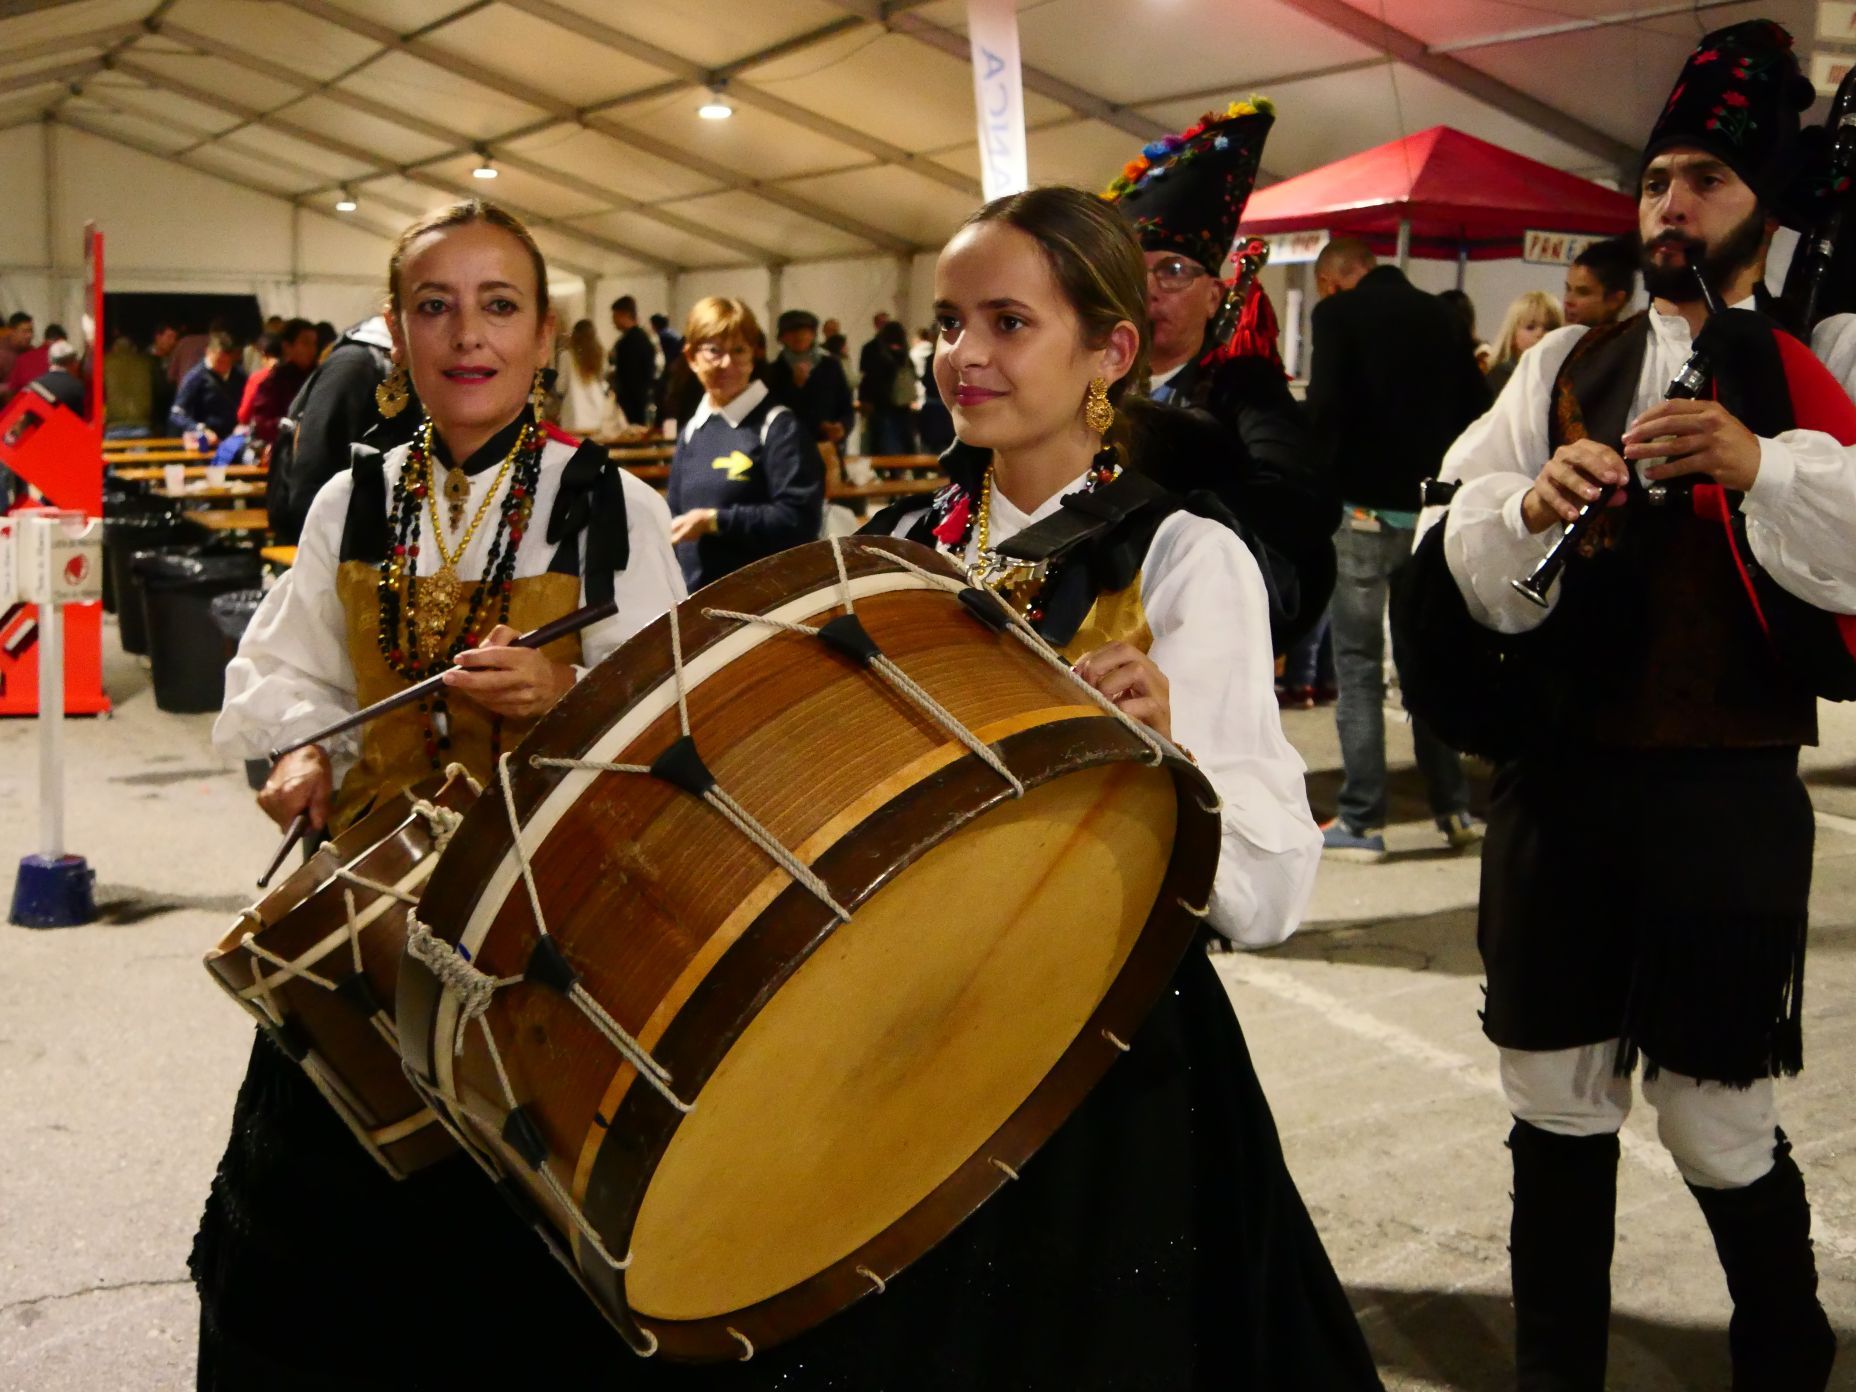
(230,519)
(904,464)
(160,456)
(155,474)
(282,556)
(232,491)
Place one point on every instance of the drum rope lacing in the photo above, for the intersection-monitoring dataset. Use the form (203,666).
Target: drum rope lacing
(1020,629)
(884,667)
(474,990)
(442,823)
(715,796)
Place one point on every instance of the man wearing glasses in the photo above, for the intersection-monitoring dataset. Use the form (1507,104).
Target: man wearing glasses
(1184,197)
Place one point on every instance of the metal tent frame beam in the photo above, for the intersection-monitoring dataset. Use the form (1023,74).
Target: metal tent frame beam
(316,140)
(695,75)
(428,52)
(1453,72)
(458,142)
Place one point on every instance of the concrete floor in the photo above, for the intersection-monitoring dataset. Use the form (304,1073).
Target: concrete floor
(119,1060)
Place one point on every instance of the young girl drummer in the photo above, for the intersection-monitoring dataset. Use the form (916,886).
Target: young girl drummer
(440,551)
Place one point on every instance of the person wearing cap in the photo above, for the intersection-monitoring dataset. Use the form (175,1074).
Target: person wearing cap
(61,383)
(810,382)
(1648,861)
(1184,197)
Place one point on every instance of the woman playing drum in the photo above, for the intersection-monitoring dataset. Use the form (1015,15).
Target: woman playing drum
(438,552)
(1157,1240)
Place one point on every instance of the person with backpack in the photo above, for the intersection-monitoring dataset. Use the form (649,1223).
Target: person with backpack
(334,409)
(886,394)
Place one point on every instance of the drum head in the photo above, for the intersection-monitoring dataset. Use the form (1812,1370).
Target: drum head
(907,1040)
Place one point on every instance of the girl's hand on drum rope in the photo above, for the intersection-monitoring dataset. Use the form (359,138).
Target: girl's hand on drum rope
(515,683)
(1125,674)
(301,781)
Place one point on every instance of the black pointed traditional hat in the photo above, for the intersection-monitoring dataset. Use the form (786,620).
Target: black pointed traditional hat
(1738,98)
(1186,192)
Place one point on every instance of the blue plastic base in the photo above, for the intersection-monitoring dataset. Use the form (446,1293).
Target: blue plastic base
(54,893)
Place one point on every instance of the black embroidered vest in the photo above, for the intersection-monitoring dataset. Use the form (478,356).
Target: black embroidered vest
(1659,645)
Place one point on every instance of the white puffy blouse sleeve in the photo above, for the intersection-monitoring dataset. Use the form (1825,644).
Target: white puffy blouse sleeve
(1209,616)
(1801,509)
(292,674)
(1495,461)
(651,581)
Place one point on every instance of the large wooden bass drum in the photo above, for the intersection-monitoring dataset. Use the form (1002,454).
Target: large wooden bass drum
(790,935)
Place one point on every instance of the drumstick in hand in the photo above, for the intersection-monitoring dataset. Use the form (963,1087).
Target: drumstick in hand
(298,825)
(534,638)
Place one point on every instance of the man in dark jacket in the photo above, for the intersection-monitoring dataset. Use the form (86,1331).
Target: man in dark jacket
(335,409)
(633,360)
(209,394)
(1391,383)
(809,382)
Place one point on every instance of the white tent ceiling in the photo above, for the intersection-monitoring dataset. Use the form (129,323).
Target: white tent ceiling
(853,132)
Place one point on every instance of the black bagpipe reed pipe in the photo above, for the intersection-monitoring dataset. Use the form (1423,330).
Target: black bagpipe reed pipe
(1818,283)
(1689,383)
(535,638)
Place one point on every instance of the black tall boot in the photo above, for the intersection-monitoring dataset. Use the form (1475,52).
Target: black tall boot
(1559,1246)
(1780,1338)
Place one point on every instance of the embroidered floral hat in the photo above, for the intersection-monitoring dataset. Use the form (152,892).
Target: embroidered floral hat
(1738,97)
(1186,192)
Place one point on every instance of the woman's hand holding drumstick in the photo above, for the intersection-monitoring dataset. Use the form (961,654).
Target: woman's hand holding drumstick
(516,683)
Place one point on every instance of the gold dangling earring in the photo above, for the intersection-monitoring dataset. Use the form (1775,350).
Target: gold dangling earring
(538,395)
(1098,410)
(393,394)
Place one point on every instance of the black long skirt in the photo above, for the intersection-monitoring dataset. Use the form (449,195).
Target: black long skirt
(1156,1242)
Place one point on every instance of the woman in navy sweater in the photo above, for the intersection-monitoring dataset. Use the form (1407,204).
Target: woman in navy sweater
(746,480)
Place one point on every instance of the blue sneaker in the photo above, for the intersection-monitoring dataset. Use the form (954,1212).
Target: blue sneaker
(1461,830)
(1345,843)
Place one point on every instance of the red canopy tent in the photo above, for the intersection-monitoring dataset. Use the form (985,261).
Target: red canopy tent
(1450,194)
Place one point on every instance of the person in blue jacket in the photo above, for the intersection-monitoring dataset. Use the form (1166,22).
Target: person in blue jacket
(746,480)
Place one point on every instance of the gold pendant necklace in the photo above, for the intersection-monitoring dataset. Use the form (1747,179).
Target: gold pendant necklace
(440,592)
(989,570)
(457,493)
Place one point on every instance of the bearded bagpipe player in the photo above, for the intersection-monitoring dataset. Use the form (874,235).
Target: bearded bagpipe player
(1631,606)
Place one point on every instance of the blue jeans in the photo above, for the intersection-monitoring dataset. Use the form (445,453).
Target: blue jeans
(1310,662)
(1367,561)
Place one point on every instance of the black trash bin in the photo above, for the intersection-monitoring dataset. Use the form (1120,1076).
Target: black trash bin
(123,536)
(184,646)
(232,615)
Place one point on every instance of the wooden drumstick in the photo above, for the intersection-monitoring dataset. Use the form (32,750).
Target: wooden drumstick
(534,638)
(298,825)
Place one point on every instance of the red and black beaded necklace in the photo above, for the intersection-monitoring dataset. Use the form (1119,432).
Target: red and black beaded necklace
(399,587)
(954,511)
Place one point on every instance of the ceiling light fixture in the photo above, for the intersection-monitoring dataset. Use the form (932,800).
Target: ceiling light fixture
(485,170)
(346,203)
(717,107)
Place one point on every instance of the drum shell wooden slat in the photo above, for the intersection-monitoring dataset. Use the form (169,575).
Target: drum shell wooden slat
(712,929)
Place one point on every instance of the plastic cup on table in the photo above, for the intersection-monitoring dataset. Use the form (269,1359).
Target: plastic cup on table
(174,477)
(215,476)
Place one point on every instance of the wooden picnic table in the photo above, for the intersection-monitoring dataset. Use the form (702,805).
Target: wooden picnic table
(146,442)
(650,473)
(160,456)
(903,463)
(882,488)
(155,474)
(230,519)
(232,491)
(630,454)
(284,556)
